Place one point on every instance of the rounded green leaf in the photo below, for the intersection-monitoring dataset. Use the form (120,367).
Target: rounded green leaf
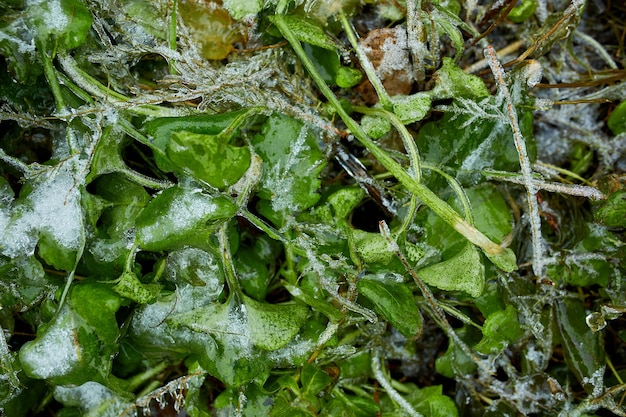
(413,108)
(66,20)
(463,272)
(348,77)
(395,302)
(583,349)
(180,216)
(208,158)
(272,326)
(612,212)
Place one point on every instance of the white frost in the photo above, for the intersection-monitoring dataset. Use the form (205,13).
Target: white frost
(53,208)
(91,397)
(55,354)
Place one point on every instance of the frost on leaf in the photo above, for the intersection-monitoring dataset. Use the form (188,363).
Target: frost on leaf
(49,213)
(292,164)
(93,398)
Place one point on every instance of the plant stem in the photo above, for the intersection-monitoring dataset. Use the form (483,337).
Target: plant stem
(227,261)
(50,73)
(366,64)
(503,258)
(524,160)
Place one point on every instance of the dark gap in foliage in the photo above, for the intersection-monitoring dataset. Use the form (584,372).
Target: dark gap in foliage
(367,216)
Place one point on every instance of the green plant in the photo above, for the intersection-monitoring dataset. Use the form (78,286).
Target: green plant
(186,225)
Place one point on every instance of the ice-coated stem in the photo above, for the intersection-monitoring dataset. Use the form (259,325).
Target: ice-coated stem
(524,160)
(391,391)
(501,257)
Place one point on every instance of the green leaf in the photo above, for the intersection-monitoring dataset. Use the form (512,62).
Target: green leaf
(180,216)
(463,272)
(272,326)
(372,247)
(612,212)
(306,31)
(239,9)
(127,200)
(455,361)
(351,406)
(452,82)
(78,345)
(395,302)
(208,158)
(348,77)
(499,330)
(162,129)
(322,306)
(313,379)
(523,11)
(292,162)
(430,402)
(129,286)
(488,144)
(375,126)
(413,108)
(583,349)
(617,119)
(97,304)
(67,21)
(326,62)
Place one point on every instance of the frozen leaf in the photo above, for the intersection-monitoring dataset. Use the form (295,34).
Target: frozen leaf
(48,212)
(239,9)
(612,212)
(66,21)
(452,82)
(129,286)
(499,330)
(22,283)
(582,348)
(395,302)
(93,399)
(463,272)
(307,31)
(411,109)
(472,140)
(78,345)
(250,401)
(376,127)
(292,163)
(273,325)
(162,129)
(196,267)
(208,158)
(180,216)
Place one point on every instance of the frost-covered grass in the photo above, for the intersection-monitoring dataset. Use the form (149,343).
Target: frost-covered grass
(312,208)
